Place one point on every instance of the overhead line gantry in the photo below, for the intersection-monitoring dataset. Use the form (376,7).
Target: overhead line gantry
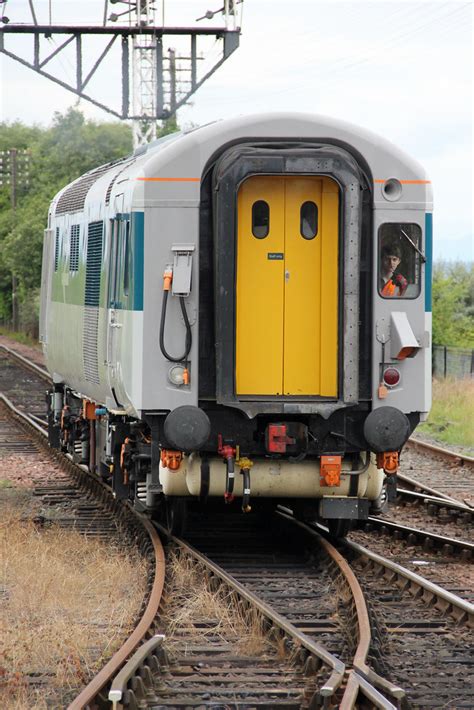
(155,80)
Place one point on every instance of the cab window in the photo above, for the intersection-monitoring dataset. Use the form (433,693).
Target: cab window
(399,260)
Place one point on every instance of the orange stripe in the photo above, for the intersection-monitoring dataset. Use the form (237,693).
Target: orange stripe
(169,179)
(410,182)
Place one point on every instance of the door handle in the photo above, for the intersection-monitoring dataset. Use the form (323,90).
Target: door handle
(287,275)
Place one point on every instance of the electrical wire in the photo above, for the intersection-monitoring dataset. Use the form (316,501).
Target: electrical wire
(189,339)
(343,66)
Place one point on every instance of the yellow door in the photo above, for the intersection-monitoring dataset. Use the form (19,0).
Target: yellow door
(287,286)
(260,281)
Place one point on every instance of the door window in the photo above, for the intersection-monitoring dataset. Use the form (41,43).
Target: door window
(260,219)
(308,220)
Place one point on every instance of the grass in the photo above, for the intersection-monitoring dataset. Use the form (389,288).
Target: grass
(68,603)
(452,414)
(19,337)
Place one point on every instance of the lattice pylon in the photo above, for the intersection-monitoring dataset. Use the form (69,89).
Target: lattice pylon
(144,89)
(144,75)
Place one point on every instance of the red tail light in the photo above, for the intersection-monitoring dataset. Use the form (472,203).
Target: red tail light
(391,377)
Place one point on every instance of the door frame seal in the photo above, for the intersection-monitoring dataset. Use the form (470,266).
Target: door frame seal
(307,159)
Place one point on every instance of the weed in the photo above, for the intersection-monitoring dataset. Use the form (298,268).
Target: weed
(452,413)
(20,337)
(202,611)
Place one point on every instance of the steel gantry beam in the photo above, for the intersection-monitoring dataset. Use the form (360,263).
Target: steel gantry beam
(162,70)
(121,64)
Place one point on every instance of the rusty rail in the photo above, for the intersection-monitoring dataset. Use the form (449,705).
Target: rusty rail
(117,660)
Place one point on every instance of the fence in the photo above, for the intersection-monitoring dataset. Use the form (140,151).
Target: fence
(452,362)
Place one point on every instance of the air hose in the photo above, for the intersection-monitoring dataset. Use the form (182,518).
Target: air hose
(246,508)
(189,339)
(229,482)
(245,466)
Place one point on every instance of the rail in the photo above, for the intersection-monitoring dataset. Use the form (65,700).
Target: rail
(140,663)
(27,363)
(437,501)
(415,534)
(361,678)
(441,451)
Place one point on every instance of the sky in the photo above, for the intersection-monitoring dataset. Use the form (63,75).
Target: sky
(401,68)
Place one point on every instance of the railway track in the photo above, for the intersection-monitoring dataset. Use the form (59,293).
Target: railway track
(438,472)
(313,674)
(282,568)
(325,645)
(82,502)
(24,383)
(309,635)
(423,636)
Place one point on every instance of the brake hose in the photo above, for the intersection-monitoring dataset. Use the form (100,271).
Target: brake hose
(189,339)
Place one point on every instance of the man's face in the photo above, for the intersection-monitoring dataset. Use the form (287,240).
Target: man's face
(390,262)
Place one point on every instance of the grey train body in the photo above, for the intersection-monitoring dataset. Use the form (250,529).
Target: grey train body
(146,334)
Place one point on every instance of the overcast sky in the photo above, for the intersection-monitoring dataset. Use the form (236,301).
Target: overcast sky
(403,69)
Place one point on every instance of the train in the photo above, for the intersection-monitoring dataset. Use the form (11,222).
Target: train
(240,314)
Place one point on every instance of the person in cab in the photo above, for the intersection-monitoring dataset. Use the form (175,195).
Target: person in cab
(392,282)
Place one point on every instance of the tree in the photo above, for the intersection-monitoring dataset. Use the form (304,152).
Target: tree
(453,304)
(59,154)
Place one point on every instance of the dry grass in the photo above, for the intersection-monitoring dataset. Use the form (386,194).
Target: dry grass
(452,414)
(191,603)
(68,603)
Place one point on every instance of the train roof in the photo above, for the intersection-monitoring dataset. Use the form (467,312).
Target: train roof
(182,157)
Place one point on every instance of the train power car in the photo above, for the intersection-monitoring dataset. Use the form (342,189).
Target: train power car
(243,311)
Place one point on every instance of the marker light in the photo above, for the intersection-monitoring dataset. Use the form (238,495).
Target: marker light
(391,376)
(176,375)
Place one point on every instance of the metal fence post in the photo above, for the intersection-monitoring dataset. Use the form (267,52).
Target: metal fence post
(445,361)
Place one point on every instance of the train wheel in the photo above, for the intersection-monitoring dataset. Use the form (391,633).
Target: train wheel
(339,528)
(175,515)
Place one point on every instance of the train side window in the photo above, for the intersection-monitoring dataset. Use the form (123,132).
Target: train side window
(121,263)
(74,248)
(260,219)
(126,265)
(114,264)
(308,220)
(399,260)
